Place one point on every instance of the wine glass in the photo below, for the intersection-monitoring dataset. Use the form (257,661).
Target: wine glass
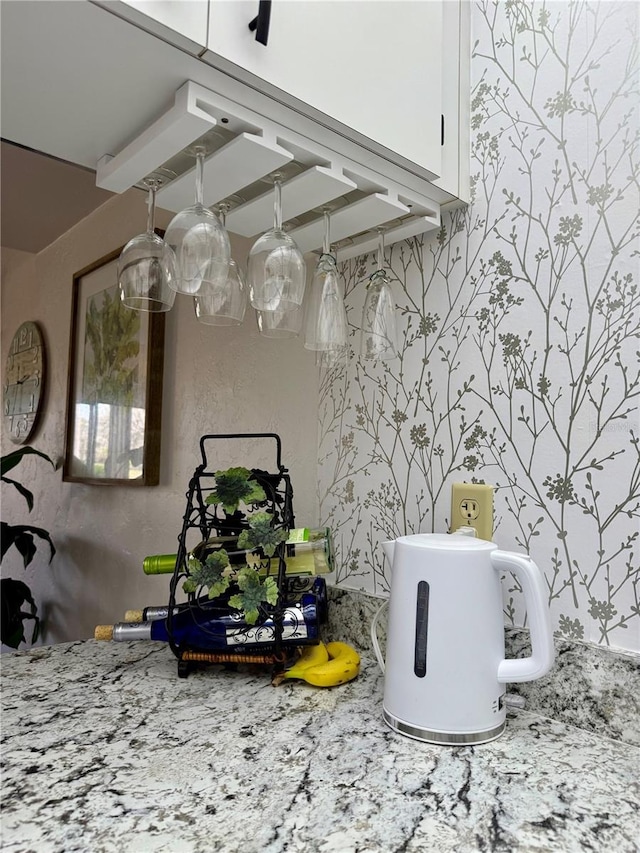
(280,324)
(200,242)
(326,325)
(147,265)
(226,305)
(276,269)
(378,337)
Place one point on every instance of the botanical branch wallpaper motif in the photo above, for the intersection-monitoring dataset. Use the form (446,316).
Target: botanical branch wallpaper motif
(520,326)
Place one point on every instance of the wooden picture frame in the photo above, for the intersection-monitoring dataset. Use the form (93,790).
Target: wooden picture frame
(114,391)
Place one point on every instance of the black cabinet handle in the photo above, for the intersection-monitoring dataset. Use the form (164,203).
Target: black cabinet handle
(261,22)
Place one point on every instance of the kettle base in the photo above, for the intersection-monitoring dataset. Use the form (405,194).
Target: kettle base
(443,738)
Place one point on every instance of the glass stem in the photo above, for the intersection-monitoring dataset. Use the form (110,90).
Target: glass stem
(380,251)
(199,176)
(326,246)
(151,208)
(277,205)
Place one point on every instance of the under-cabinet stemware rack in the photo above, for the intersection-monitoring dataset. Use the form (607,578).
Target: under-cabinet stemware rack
(246,149)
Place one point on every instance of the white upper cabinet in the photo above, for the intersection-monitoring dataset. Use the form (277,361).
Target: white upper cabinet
(180,22)
(456,88)
(346,99)
(372,67)
(388,76)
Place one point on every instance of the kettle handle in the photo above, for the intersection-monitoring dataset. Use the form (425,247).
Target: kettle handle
(542,656)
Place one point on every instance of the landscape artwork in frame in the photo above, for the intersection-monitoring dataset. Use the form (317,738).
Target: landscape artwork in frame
(114,399)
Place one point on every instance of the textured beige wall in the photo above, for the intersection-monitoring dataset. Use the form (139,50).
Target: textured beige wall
(215,380)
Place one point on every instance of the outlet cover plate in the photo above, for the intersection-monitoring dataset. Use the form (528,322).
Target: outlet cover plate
(472,506)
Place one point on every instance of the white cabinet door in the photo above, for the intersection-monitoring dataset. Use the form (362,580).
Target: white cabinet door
(373,66)
(180,22)
(456,89)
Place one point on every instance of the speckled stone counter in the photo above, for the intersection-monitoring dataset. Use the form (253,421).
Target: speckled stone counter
(105,749)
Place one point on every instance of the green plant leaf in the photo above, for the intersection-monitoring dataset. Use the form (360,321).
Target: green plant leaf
(234,485)
(21,535)
(26,494)
(253,591)
(10,460)
(25,545)
(14,594)
(237,602)
(271,590)
(214,574)
(262,534)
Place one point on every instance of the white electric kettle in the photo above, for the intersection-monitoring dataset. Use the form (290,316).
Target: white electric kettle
(445,670)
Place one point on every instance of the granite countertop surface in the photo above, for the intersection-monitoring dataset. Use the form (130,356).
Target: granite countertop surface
(104,748)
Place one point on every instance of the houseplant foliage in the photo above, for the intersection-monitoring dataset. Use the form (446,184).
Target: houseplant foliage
(14,593)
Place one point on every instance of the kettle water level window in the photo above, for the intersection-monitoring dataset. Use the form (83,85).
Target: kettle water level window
(422,627)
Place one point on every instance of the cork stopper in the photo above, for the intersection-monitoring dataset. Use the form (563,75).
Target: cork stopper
(133,616)
(103,632)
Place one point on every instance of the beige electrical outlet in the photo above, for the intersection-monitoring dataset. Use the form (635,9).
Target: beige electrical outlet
(472,506)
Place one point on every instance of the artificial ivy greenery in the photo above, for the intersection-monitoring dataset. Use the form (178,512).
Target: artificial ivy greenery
(216,573)
(253,591)
(235,485)
(262,534)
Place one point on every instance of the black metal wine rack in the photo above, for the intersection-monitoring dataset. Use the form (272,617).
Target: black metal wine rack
(205,521)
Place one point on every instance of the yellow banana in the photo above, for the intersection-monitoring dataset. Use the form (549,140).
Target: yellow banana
(343,665)
(343,651)
(311,656)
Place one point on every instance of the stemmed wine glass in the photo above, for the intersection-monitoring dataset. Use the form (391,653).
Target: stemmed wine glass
(280,324)
(378,339)
(147,265)
(326,325)
(226,305)
(276,268)
(200,242)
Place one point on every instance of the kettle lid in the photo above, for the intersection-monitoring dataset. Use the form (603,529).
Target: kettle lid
(446,542)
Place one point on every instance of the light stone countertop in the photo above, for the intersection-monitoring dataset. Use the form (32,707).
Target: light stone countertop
(105,749)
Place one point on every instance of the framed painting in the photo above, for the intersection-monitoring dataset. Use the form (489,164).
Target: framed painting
(114,394)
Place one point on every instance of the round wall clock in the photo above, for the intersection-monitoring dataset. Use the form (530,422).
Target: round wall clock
(23,389)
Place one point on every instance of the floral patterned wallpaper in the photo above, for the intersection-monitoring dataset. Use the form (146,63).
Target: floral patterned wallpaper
(519,325)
